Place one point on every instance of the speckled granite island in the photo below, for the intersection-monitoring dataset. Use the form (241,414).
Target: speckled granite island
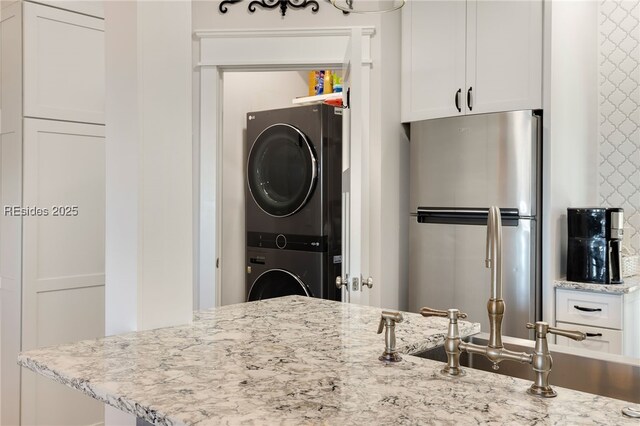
(300,361)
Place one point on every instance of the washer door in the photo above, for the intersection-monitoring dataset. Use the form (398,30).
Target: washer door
(281,170)
(277,283)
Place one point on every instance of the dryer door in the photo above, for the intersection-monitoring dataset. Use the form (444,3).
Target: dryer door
(281,170)
(277,283)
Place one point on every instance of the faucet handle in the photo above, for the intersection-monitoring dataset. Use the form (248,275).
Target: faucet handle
(542,328)
(571,334)
(428,312)
(450,313)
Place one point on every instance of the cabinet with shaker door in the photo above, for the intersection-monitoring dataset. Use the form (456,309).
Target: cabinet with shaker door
(608,314)
(52,189)
(470,57)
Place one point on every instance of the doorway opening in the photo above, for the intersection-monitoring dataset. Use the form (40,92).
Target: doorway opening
(268,50)
(244,92)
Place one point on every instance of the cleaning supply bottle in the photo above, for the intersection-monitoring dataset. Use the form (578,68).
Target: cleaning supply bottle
(337,83)
(312,83)
(328,82)
(319,82)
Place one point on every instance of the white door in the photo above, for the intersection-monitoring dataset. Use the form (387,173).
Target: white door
(355,229)
(433,59)
(504,56)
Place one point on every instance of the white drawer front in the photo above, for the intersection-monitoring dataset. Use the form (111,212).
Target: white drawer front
(594,309)
(598,339)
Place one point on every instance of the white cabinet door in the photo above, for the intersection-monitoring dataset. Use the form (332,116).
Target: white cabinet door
(64,65)
(433,59)
(504,56)
(63,257)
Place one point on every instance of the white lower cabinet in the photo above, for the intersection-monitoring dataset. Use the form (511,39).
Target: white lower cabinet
(611,321)
(63,258)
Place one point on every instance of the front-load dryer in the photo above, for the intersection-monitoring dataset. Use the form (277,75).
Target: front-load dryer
(293,171)
(272,272)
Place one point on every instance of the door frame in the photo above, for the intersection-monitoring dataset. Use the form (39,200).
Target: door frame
(249,50)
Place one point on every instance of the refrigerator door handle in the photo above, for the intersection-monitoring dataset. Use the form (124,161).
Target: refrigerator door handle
(464,216)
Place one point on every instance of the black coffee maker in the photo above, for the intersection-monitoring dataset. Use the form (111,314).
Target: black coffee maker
(595,244)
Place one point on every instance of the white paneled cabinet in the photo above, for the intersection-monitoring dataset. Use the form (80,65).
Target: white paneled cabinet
(504,55)
(470,57)
(64,68)
(433,59)
(610,321)
(51,265)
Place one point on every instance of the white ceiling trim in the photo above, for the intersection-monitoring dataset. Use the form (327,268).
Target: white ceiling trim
(299,47)
(262,65)
(286,32)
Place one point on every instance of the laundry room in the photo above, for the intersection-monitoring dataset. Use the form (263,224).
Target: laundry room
(241,260)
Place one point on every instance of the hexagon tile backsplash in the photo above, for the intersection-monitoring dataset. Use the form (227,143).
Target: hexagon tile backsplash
(619,111)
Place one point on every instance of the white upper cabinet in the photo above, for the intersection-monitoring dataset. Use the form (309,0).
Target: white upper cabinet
(504,55)
(64,66)
(433,59)
(489,50)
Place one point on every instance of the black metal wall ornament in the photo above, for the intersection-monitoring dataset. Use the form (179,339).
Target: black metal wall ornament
(223,5)
(272,4)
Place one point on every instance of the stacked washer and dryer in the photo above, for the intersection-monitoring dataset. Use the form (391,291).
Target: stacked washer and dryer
(294,202)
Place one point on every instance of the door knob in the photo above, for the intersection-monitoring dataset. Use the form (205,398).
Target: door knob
(342,282)
(368,282)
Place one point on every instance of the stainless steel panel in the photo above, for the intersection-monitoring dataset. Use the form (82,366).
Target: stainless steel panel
(475,161)
(447,270)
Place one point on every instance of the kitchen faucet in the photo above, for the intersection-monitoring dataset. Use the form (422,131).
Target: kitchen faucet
(495,350)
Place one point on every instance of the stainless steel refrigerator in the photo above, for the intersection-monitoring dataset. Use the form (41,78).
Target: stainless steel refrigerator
(459,167)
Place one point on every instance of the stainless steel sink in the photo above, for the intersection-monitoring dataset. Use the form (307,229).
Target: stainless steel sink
(614,377)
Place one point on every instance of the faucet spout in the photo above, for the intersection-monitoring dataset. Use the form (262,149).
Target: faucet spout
(495,306)
(494,251)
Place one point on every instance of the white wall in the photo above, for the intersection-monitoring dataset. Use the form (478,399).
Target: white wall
(385,224)
(391,243)
(570,148)
(149,173)
(244,92)
(149,230)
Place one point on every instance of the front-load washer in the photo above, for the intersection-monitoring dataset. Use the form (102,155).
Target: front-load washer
(294,171)
(273,272)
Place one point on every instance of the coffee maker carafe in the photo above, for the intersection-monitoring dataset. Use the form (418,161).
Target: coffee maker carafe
(594,252)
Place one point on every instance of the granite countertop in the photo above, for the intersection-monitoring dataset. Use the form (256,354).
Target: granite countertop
(297,360)
(630,285)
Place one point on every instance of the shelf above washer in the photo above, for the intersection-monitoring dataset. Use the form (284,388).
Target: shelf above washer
(306,100)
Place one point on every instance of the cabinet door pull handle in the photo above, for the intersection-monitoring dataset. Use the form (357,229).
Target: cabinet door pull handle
(457,100)
(594,334)
(583,309)
(469,98)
